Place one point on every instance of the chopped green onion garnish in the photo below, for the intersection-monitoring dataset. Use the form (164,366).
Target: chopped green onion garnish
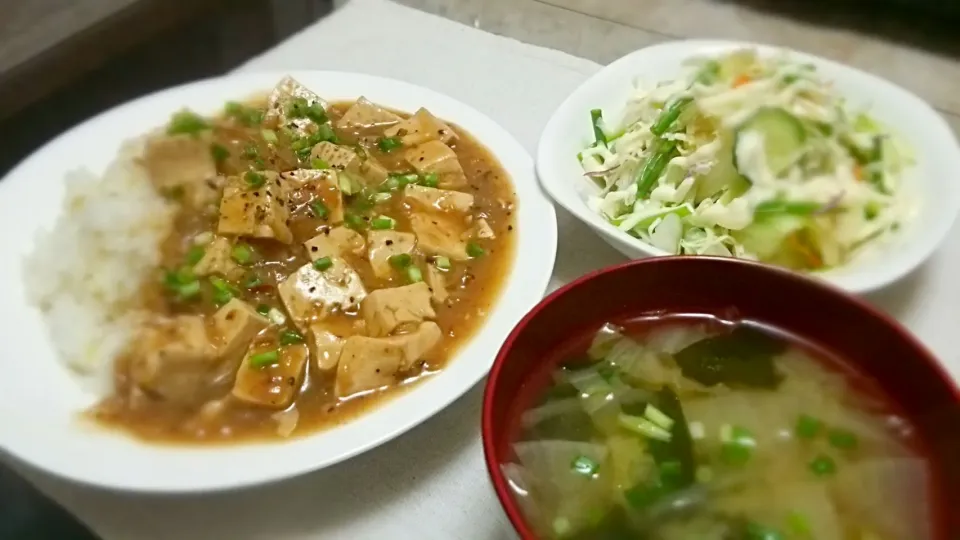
(219,283)
(194,254)
(442,263)
(252,281)
(251,151)
(186,123)
(300,144)
(585,466)
(319,210)
(823,465)
(269,135)
(173,279)
(259,164)
(738,444)
(263,309)
(389,144)
(842,439)
(400,260)
(405,179)
(318,163)
(414,275)
(264,359)
(390,184)
(474,250)
(189,290)
(323,263)
(289,337)
(382,223)
(324,133)
(644,427)
(316,113)
(242,253)
(219,152)
(248,116)
(657,416)
(254,179)
(354,221)
(380,198)
(431,180)
(222,297)
(296,108)
(807,427)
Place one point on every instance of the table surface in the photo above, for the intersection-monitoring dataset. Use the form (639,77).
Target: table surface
(438,489)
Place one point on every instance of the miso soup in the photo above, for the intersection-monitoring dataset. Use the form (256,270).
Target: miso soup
(693,428)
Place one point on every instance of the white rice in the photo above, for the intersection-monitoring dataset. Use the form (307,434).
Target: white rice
(86,273)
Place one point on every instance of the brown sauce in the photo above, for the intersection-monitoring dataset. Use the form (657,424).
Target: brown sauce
(212,414)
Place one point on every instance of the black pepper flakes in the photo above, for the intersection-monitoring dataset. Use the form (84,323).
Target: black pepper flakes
(389,242)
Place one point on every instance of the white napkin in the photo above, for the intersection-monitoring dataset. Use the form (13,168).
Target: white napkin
(432,482)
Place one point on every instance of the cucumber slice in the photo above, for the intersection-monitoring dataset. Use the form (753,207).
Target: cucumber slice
(765,237)
(783,139)
(723,174)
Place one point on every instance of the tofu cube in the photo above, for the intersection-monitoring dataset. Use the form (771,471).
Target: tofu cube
(258,212)
(310,294)
(368,363)
(433,199)
(386,309)
(439,234)
(335,242)
(436,157)
(385,244)
(325,347)
(422,127)
(365,117)
(321,185)
(235,325)
(275,385)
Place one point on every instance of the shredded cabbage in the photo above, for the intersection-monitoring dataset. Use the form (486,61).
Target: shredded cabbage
(718,194)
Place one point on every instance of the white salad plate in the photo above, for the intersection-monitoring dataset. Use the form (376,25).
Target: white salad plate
(41,401)
(932,179)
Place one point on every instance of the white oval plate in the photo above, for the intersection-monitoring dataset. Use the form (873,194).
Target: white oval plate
(40,400)
(938,157)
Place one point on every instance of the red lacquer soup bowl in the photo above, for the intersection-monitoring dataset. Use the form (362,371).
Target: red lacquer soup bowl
(843,326)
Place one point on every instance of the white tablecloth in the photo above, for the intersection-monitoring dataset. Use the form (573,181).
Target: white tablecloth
(431,483)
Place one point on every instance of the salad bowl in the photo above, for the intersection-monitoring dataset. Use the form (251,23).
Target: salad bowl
(934,197)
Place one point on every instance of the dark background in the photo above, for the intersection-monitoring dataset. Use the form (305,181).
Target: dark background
(152,44)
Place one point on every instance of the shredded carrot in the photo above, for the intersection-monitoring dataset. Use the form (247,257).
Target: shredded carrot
(858,172)
(741,80)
